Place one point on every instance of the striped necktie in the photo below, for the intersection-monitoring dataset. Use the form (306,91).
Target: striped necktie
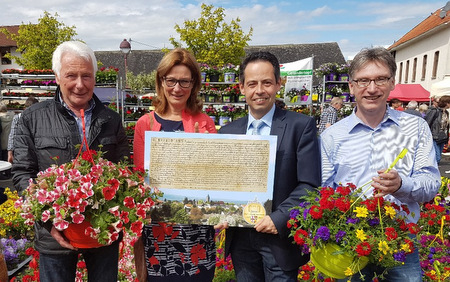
(257,124)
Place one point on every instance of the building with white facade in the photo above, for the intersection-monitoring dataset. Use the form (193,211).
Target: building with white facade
(423,54)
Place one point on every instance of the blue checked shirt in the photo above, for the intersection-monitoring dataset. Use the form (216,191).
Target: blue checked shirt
(352,152)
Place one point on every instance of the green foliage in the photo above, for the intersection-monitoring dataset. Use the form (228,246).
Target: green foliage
(141,81)
(211,40)
(37,42)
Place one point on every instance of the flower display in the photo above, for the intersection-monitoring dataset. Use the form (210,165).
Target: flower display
(11,222)
(14,250)
(131,99)
(370,229)
(109,196)
(434,243)
(106,75)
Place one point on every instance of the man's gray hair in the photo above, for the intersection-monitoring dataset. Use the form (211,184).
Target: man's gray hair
(74,47)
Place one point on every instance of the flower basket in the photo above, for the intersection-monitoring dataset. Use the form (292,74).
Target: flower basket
(90,189)
(77,238)
(359,225)
(331,261)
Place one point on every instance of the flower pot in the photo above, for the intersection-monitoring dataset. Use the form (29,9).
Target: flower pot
(345,97)
(226,98)
(229,77)
(331,77)
(75,233)
(210,98)
(343,77)
(328,97)
(213,77)
(241,98)
(304,98)
(203,76)
(223,120)
(213,118)
(333,263)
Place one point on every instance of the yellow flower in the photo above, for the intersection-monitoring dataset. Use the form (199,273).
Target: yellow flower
(390,211)
(406,248)
(361,211)
(361,235)
(383,247)
(348,272)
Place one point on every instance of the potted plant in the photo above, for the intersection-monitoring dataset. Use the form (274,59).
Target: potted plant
(213,73)
(329,70)
(90,199)
(343,231)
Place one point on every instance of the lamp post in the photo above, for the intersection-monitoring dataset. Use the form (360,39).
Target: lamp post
(125,47)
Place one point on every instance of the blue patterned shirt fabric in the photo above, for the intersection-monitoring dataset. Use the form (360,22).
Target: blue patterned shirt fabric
(329,115)
(352,152)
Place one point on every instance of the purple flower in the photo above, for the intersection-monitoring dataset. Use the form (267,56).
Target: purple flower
(305,213)
(339,235)
(400,256)
(352,220)
(294,213)
(323,233)
(374,221)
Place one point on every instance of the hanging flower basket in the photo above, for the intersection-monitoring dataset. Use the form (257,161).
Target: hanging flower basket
(333,262)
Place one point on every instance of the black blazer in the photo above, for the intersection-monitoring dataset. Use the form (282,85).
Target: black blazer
(297,169)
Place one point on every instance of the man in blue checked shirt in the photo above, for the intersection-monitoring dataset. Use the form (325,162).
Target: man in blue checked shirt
(360,148)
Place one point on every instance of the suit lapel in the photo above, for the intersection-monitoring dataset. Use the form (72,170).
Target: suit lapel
(278,125)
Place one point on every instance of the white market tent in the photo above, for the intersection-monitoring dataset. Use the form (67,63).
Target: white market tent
(441,88)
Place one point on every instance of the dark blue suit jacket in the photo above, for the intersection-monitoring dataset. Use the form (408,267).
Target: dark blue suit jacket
(297,169)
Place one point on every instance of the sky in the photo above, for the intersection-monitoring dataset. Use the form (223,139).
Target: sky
(353,24)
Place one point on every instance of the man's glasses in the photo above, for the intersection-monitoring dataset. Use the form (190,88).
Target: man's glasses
(171,82)
(365,82)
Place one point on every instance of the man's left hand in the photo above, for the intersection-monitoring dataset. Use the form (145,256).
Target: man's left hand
(266,225)
(386,183)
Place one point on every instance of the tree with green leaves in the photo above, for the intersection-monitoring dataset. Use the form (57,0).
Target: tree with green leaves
(211,40)
(36,42)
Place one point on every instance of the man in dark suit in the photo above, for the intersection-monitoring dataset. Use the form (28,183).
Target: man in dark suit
(266,252)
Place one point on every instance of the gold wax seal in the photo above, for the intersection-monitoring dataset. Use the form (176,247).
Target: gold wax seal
(253,212)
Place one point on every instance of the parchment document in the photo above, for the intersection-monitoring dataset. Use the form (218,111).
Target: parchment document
(210,164)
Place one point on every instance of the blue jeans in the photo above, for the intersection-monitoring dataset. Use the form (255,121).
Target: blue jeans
(438,148)
(409,272)
(253,259)
(101,263)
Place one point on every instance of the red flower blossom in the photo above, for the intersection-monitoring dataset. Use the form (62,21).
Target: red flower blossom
(300,236)
(315,212)
(109,193)
(390,233)
(363,249)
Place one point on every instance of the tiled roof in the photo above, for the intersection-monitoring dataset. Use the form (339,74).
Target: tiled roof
(432,22)
(6,42)
(147,60)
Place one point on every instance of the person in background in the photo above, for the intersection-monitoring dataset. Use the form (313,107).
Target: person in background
(411,108)
(438,120)
(360,147)
(266,252)
(30,101)
(329,116)
(396,104)
(53,128)
(423,109)
(6,118)
(177,108)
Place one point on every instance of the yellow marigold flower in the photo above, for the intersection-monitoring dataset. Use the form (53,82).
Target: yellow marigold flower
(406,248)
(361,211)
(361,235)
(348,272)
(383,247)
(390,211)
